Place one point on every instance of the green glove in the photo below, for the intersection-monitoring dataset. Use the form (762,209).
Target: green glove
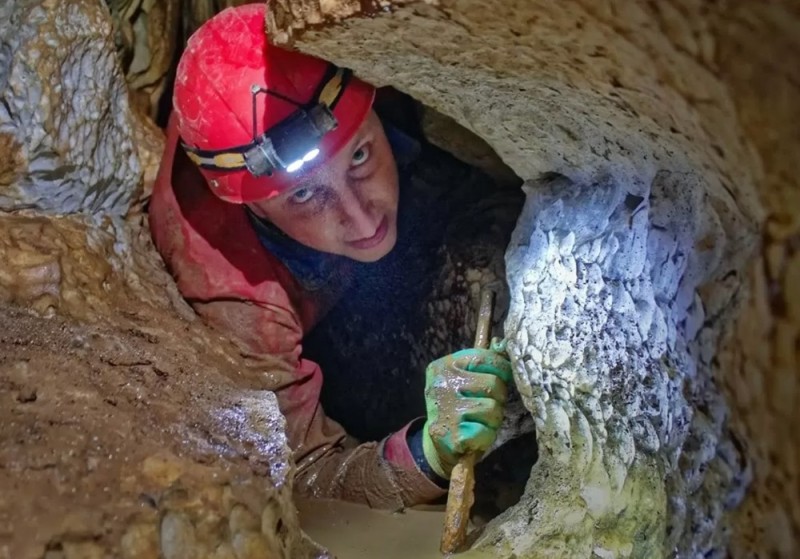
(465,394)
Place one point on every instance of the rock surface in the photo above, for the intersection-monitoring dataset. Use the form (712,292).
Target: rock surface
(148,36)
(65,121)
(628,120)
(760,364)
(128,428)
(132,432)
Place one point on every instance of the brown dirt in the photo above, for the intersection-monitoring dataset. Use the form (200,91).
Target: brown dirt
(131,429)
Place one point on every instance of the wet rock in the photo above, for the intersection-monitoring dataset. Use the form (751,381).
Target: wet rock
(178,540)
(130,429)
(26,395)
(136,465)
(64,118)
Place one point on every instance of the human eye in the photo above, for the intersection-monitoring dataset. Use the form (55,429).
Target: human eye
(301,195)
(361,155)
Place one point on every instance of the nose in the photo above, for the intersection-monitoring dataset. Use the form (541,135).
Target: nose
(356,213)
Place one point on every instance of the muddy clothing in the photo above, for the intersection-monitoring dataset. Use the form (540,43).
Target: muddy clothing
(267,304)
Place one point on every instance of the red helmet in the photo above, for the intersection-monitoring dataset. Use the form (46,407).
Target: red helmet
(230,80)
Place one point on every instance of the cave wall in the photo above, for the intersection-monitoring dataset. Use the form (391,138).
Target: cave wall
(648,103)
(760,363)
(127,428)
(66,126)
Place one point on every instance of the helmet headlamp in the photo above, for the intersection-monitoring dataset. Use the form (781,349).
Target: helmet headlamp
(288,145)
(291,143)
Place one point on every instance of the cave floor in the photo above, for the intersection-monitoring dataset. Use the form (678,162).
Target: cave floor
(97,419)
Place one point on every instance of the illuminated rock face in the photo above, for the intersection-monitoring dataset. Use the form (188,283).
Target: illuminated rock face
(613,345)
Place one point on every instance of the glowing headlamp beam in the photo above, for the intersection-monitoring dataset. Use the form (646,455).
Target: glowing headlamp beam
(295,166)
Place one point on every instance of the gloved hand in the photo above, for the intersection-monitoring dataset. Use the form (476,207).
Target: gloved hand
(465,394)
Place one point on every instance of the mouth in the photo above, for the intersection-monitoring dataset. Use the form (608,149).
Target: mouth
(374,240)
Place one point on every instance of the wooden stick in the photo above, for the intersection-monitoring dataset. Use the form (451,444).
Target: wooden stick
(462,479)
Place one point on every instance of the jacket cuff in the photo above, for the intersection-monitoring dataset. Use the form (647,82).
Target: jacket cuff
(395,450)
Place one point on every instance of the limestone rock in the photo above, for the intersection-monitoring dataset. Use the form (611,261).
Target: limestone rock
(447,134)
(760,367)
(128,428)
(145,34)
(149,35)
(612,340)
(150,146)
(627,263)
(64,118)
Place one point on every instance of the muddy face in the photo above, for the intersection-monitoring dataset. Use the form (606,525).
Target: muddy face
(349,205)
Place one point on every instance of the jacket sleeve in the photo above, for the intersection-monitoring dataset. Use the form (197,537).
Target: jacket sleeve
(245,293)
(329,464)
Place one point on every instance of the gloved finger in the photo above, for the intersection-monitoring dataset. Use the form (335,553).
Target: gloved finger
(448,380)
(482,385)
(483,361)
(485,411)
(473,437)
(500,346)
(466,384)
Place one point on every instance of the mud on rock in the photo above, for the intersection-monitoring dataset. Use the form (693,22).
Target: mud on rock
(132,432)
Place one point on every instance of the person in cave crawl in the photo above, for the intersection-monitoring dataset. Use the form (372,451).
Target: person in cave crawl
(278,183)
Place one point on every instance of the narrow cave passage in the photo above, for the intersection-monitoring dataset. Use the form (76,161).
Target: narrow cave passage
(383,322)
(420,302)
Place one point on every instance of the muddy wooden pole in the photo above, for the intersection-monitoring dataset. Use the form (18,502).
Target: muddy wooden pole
(462,479)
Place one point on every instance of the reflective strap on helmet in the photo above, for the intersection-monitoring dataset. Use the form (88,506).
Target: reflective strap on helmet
(329,92)
(229,161)
(332,86)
